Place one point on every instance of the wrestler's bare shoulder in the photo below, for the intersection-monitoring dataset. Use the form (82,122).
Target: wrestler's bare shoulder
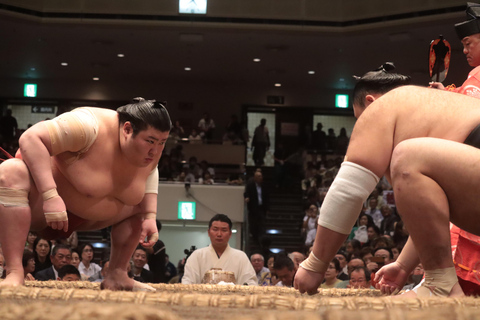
(425,112)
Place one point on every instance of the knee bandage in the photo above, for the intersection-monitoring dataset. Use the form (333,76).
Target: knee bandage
(73,131)
(53,216)
(151,186)
(13,197)
(438,282)
(344,200)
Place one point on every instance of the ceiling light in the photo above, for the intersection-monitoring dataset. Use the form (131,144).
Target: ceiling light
(311,72)
(341,79)
(64,64)
(188,68)
(120,55)
(278,84)
(96,78)
(33,69)
(256,60)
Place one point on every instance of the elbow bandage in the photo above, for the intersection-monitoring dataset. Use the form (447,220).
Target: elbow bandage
(151,186)
(53,216)
(73,131)
(344,200)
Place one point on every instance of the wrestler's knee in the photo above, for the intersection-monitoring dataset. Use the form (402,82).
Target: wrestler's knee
(14,174)
(404,163)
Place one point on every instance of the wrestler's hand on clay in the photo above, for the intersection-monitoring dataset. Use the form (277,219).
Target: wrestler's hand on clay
(391,278)
(308,281)
(150,232)
(56,204)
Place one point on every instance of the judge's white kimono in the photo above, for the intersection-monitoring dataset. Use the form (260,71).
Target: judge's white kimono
(232,259)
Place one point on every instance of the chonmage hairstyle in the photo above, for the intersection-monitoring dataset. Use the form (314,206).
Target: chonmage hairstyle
(142,113)
(378,81)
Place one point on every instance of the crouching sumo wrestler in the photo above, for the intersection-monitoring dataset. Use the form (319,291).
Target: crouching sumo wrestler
(414,136)
(85,170)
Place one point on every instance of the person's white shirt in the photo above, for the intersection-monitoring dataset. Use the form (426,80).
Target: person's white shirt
(204,259)
(90,271)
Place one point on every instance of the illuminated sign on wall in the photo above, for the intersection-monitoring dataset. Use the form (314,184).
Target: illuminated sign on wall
(30,90)
(341,101)
(186,210)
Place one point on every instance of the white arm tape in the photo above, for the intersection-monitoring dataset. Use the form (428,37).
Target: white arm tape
(151,186)
(344,200)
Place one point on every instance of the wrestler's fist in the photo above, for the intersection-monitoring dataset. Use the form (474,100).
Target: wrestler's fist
(391,278)
(308,281)
(149,232)
(56,213)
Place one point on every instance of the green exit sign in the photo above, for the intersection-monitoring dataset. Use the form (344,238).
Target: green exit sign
(30,90)
(341,101)
(186,210)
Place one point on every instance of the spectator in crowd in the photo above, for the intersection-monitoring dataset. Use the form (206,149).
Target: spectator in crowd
(205,167)
(75,258)
(359,279)
(100,275)
(387,226)
(385,253)
(206,125)
(331,140)
(235,179)
(61,256)
(156,258)
(257,198)
(87,267)
(170,270)
(319,138)
(285,270)
(139,259)
(373,233)
(42,254)
(273,276)
(8,127)
(165,171)
(219,255)
(360,232)
(32,235)
(297,258)
(194,137)
(353,247)
(68,273)
(374,212)
(342,141)
(258,263)
(331,275)
(309,226)
(28,263)
(234,127)
(342,258)
(260,143)
(177,131)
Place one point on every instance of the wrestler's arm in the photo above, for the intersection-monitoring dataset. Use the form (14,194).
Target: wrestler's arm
(35,147)
(370,147)
(391,278)
(148,209)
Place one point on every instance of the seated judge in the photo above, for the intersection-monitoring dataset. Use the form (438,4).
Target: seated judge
(219,255)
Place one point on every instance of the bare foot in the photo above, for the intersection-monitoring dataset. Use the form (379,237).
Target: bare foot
(13,279)
(119,280)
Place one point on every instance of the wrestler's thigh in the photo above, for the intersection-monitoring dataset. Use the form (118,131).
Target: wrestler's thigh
(14,174)
(455,167)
